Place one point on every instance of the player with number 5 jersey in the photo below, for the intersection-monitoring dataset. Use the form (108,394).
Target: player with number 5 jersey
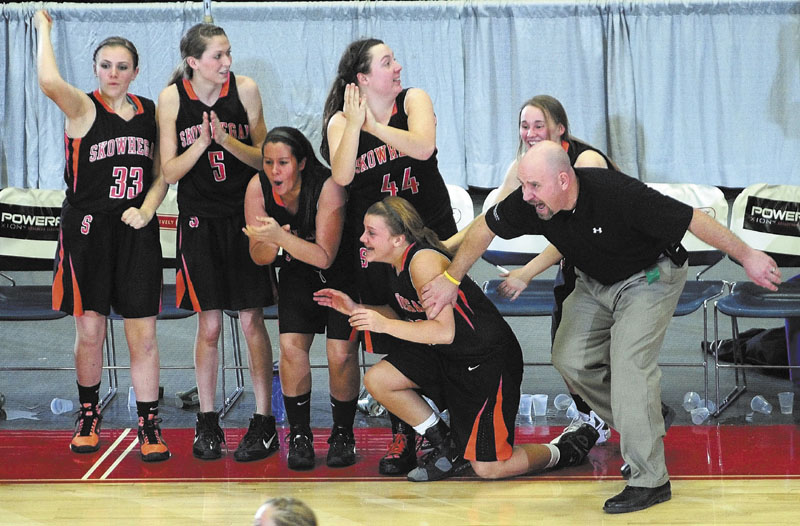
(212,125)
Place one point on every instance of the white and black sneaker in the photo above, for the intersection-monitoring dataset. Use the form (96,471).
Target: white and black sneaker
(603,431)
(260,441)
(575,445)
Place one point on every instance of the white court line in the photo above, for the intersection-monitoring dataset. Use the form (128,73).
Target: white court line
(122,456)
(108,452)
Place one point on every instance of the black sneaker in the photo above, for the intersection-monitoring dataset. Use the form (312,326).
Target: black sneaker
(152,447)
(301,448)
(342,452)
(442,461)
(260,441)
(208,437)
(575,445)
(402,454)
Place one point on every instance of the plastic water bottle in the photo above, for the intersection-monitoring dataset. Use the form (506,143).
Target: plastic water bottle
(278,410)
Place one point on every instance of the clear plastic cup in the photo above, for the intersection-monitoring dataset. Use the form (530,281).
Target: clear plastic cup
(572,411)
(699,415)
(709,404)
(562,401)
(786,399)
(525,403)
(60,405)
(539,404)
(691,400)
(759,404)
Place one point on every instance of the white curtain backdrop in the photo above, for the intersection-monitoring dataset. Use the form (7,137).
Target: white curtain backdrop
(704,91)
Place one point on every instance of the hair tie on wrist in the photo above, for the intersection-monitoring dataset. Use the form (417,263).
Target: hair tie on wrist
(451,279)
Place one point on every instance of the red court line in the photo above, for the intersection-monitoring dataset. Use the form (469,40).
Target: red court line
(693,452)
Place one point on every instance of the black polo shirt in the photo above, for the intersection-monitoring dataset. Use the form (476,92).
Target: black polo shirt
(619,226)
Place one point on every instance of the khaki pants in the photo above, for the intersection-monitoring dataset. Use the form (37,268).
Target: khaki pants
(607,347)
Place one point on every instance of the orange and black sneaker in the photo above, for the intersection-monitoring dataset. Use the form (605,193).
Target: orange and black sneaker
(86,438)
(151,446)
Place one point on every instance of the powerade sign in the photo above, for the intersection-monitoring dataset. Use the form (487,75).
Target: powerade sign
(773,217)
(29,222)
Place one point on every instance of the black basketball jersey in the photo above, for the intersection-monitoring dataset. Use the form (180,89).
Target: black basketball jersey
(216,184)
(480,329)
(111,168)
(382,171)
(302,224)
(576,147)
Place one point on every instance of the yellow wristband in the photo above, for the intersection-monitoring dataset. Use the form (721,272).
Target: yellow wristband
(451,279)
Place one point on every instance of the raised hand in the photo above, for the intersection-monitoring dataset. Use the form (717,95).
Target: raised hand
(42,20)
(355,106)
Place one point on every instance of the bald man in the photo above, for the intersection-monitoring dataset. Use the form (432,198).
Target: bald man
(624,240)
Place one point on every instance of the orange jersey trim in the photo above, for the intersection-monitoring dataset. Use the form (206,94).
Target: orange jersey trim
(503,449)
(77,302)
(185,287)
(187,85)
(368,342)
(58,284)
(278,199)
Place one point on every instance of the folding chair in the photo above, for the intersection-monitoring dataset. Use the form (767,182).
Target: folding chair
(537,299)
(766,217)
(270,313)
(167,215)
(29,221)
(463,209)
(698,293)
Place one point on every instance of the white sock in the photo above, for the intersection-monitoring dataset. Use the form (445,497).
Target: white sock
(555,455)
(427,424)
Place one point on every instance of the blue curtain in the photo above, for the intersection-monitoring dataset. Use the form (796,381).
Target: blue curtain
(675,91)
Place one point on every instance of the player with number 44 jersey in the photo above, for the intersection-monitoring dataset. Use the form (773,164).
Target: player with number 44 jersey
(380,140)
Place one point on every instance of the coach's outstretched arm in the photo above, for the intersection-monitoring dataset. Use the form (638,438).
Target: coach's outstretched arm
(442,290)
(760,268)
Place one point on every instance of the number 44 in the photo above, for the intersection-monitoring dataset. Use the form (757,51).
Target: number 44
(409,183)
